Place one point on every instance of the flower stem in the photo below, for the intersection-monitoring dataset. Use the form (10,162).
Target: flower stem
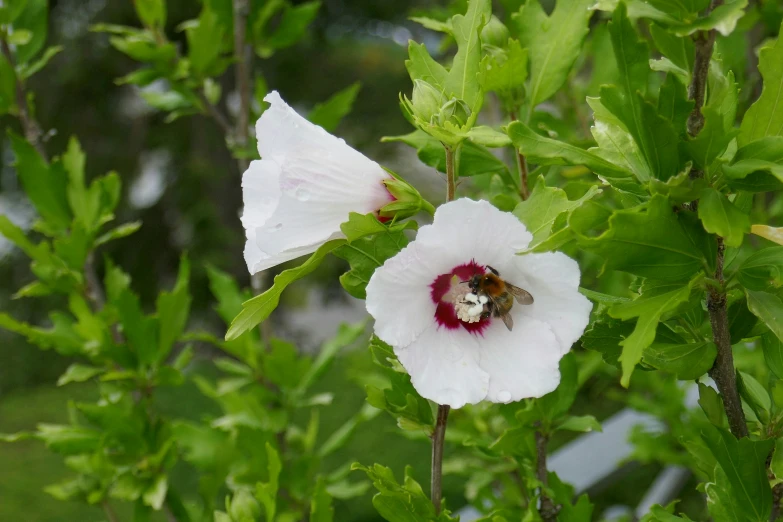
(547,508)
(438,437)
(451,173)
(722,371)
(522,166)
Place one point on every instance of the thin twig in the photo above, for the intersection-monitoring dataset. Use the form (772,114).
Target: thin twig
(524,192)
(215,113)
(438,436)
(722,371)
(547,509)
(109,512)
(704,43)
(32,131)
(242,73)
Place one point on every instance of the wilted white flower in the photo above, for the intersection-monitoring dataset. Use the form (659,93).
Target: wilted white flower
(303,188)
(426,311)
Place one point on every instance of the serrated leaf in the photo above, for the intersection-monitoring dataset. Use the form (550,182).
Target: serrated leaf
(544,205)
(321,509)
(44,184)
(292,27)
(765,116)
(653,231)
(119,232)
(553,43)
(677,49)
(720,216)
(173,310)
(462,80)
(152,13)
(35,19)
(585,423)
(773,353)
(711,141)
(755,395)
(266,492)
(648,310)
(421,66)
(328,114)
(743,464)
(712,405)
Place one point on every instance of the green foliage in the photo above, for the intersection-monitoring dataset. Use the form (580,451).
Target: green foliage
(765,117)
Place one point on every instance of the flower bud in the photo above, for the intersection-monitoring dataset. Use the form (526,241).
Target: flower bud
(494,33)
(454,111)
(426,100)
(244,507)
(407,200)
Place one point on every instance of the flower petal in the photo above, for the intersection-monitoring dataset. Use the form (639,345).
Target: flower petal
(553,280)
(398,298)
(321,180)
(443,365)
(521,363)
(258,260)
(465,229)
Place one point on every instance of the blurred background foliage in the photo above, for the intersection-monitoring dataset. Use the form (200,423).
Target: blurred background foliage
(181,181)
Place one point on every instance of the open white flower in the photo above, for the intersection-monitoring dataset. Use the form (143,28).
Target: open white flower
(417,295)
(303,188)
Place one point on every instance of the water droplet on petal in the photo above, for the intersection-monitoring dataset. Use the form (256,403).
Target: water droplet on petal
(302,194)
(504,396)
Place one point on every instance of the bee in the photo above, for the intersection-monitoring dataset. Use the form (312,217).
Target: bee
(500,295)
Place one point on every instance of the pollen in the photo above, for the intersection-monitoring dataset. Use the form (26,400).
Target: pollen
(469,307)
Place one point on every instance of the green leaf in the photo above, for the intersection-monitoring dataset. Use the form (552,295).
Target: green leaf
(341,435)
(244,507)
(652,232)
(156,492)
(173,310)
(321,509)
(346,336)
(504,72)
(723,19)
(712,141)
(677,49)
(124,230)
(773,353)
(755,395)
(765,116)
(257,309)
(763,270)
(45,185)
(768,308)
(544,205)
(553,42)
(721,217)
(674,105)
(649,309)
(204,44)
(266,492)
(687,361)
(60,337)
(283,366)
(35,19)
(365,254)
(585,423)
(17,236)
(421,66)
(292,27)
(140,331)
(152,13)
(743,464)
(712,405)
(78,373)
(329,113)
(546,151)
(462,80)
(7,86)
(632,55)
(68,440)
(474,159)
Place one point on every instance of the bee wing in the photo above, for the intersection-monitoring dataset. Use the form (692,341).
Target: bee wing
(497,311)
(508,321)
(523,297)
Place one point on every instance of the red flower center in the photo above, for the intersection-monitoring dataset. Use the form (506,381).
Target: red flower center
(441,290)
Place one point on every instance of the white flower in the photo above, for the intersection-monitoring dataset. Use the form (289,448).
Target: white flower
(417,295)
(303,188)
